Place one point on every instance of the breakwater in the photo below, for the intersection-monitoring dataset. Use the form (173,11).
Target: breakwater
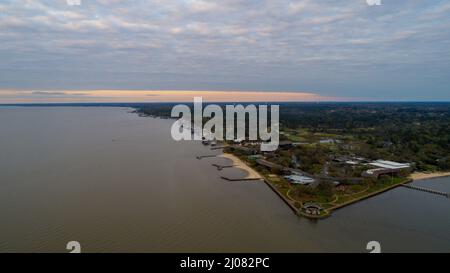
(445,194)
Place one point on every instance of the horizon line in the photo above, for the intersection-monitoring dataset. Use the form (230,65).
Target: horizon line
(216,102)
(40,96)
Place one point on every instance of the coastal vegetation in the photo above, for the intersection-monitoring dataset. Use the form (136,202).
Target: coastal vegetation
(336,145)
(403,132)
(322,193)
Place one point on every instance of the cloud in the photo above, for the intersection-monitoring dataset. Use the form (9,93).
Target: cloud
(57,94)
(201,6)
(156,96)
(48,93)
(336,48)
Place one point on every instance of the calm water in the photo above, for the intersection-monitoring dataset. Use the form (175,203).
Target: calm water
(117,182)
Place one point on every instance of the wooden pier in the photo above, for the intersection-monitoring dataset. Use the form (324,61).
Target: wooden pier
(205,156)
(445,194)
(221,167)
(218,147)
(241,179)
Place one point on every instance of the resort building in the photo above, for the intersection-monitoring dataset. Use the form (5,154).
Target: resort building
(389,164)
(385,167)
(299,179)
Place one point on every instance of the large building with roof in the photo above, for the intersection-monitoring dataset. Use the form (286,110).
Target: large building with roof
(299,179)
(385,167)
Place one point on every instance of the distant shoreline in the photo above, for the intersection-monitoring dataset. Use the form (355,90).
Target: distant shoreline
(137,104)
(416,176)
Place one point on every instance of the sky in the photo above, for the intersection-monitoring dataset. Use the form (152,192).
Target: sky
(171,50)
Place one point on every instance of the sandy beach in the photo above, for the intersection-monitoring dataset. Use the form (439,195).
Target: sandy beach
(251,174)
(421,175)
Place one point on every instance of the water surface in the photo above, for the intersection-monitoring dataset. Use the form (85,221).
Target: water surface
(117,182)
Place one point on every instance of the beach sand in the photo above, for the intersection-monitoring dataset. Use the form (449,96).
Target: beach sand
(421,176)
(251,174)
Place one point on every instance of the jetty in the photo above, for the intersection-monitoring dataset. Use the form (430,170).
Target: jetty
(205,156)
(445,194)
(221,167)
(241,179)
(236,162)
(218,147)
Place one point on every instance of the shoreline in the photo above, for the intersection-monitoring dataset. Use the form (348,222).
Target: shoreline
(238,163)
(416,176)
(253,174)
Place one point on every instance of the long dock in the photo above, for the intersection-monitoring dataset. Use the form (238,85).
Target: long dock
(218,147)
(205,156)
(221,167)
(445,194)
(241,179)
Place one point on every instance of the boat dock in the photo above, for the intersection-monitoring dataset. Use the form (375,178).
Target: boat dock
(445,194)
(218,147)
(205,156)
(221,167)
(241,179)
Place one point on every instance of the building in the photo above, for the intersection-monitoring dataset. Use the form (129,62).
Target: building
(350,160)
(385,167)
(299,179)
(389,164)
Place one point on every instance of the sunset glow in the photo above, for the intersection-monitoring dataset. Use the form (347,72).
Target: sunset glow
(9,96)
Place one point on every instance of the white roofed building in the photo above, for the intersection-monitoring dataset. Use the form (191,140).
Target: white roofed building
(389,164)
(299,179)
(385,167)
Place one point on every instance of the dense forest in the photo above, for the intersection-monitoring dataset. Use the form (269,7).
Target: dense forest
(407,132)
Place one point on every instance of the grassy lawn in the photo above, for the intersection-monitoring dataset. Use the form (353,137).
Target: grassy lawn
(354,192)
(280,184)
(345,194)
(370,189)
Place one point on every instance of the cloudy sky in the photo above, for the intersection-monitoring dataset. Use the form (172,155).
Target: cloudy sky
(318,49)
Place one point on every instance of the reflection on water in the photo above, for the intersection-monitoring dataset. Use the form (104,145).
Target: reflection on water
(117,182)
